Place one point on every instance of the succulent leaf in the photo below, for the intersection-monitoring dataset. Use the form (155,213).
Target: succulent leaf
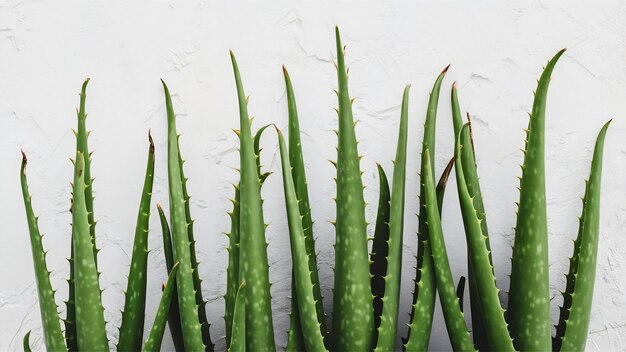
(173,317)
(26,342)
(254,268)
(90,324)
(421,318)
(191,327)
(197,282)
(238,341)
(133,316)
(153,343)
(471,180)
(574,320)
(493,318)
(528,311)
(298,173)
(47,305)
(352,298)
(455,321)
(389,318)
(313,336)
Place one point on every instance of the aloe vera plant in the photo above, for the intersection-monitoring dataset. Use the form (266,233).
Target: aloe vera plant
(85,324)
(525,325)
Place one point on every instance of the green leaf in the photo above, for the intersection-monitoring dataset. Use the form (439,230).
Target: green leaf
(173,318)
(529,294)
(421,319)
(26,342)
(47,305)
(90,325)
(389,318)
(254,268)
(191,327)
(311,332)
(578,296)
(471,180)
(238,342)
(197,282)
(455,321)
(153,343)
(352,299)
(298,173)
(133,316)
(493,318)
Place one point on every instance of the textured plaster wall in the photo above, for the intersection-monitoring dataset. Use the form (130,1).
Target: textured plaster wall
(497,51)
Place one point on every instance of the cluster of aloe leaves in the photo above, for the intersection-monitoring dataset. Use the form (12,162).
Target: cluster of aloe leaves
(366,295)
(84,322)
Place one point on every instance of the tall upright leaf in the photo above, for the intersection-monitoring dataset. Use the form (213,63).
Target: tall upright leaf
(298,173)
(312,334)
(529,293)
(191,327)
(133,316)
(389,318)
(90,325)
(573,324)
(454,318)
(421,318)
(353,321)
(53,336)
(197,282)
(493,318)
(254,268)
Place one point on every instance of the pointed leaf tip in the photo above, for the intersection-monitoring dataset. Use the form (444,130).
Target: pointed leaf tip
(445,70)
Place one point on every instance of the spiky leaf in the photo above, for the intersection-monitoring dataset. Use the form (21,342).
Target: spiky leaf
(47,305)
(528,311)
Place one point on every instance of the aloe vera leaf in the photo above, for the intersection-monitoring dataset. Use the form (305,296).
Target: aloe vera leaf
(298,173)
(574,320)
(191,327)
(529,293)
(173,317)
(26,342)
(460,289)
(421,318)
(378,258)
(389,317)
(153,343)
(352,297)
(82,146)
(238,335)
(90,325)
(473,186)
(493,317)
(233,271)
(49,311)
(311,327)
(133,316)
(253,255)
(197,282)
(455,321)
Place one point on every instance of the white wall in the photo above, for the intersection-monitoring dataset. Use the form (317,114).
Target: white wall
(497,51)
